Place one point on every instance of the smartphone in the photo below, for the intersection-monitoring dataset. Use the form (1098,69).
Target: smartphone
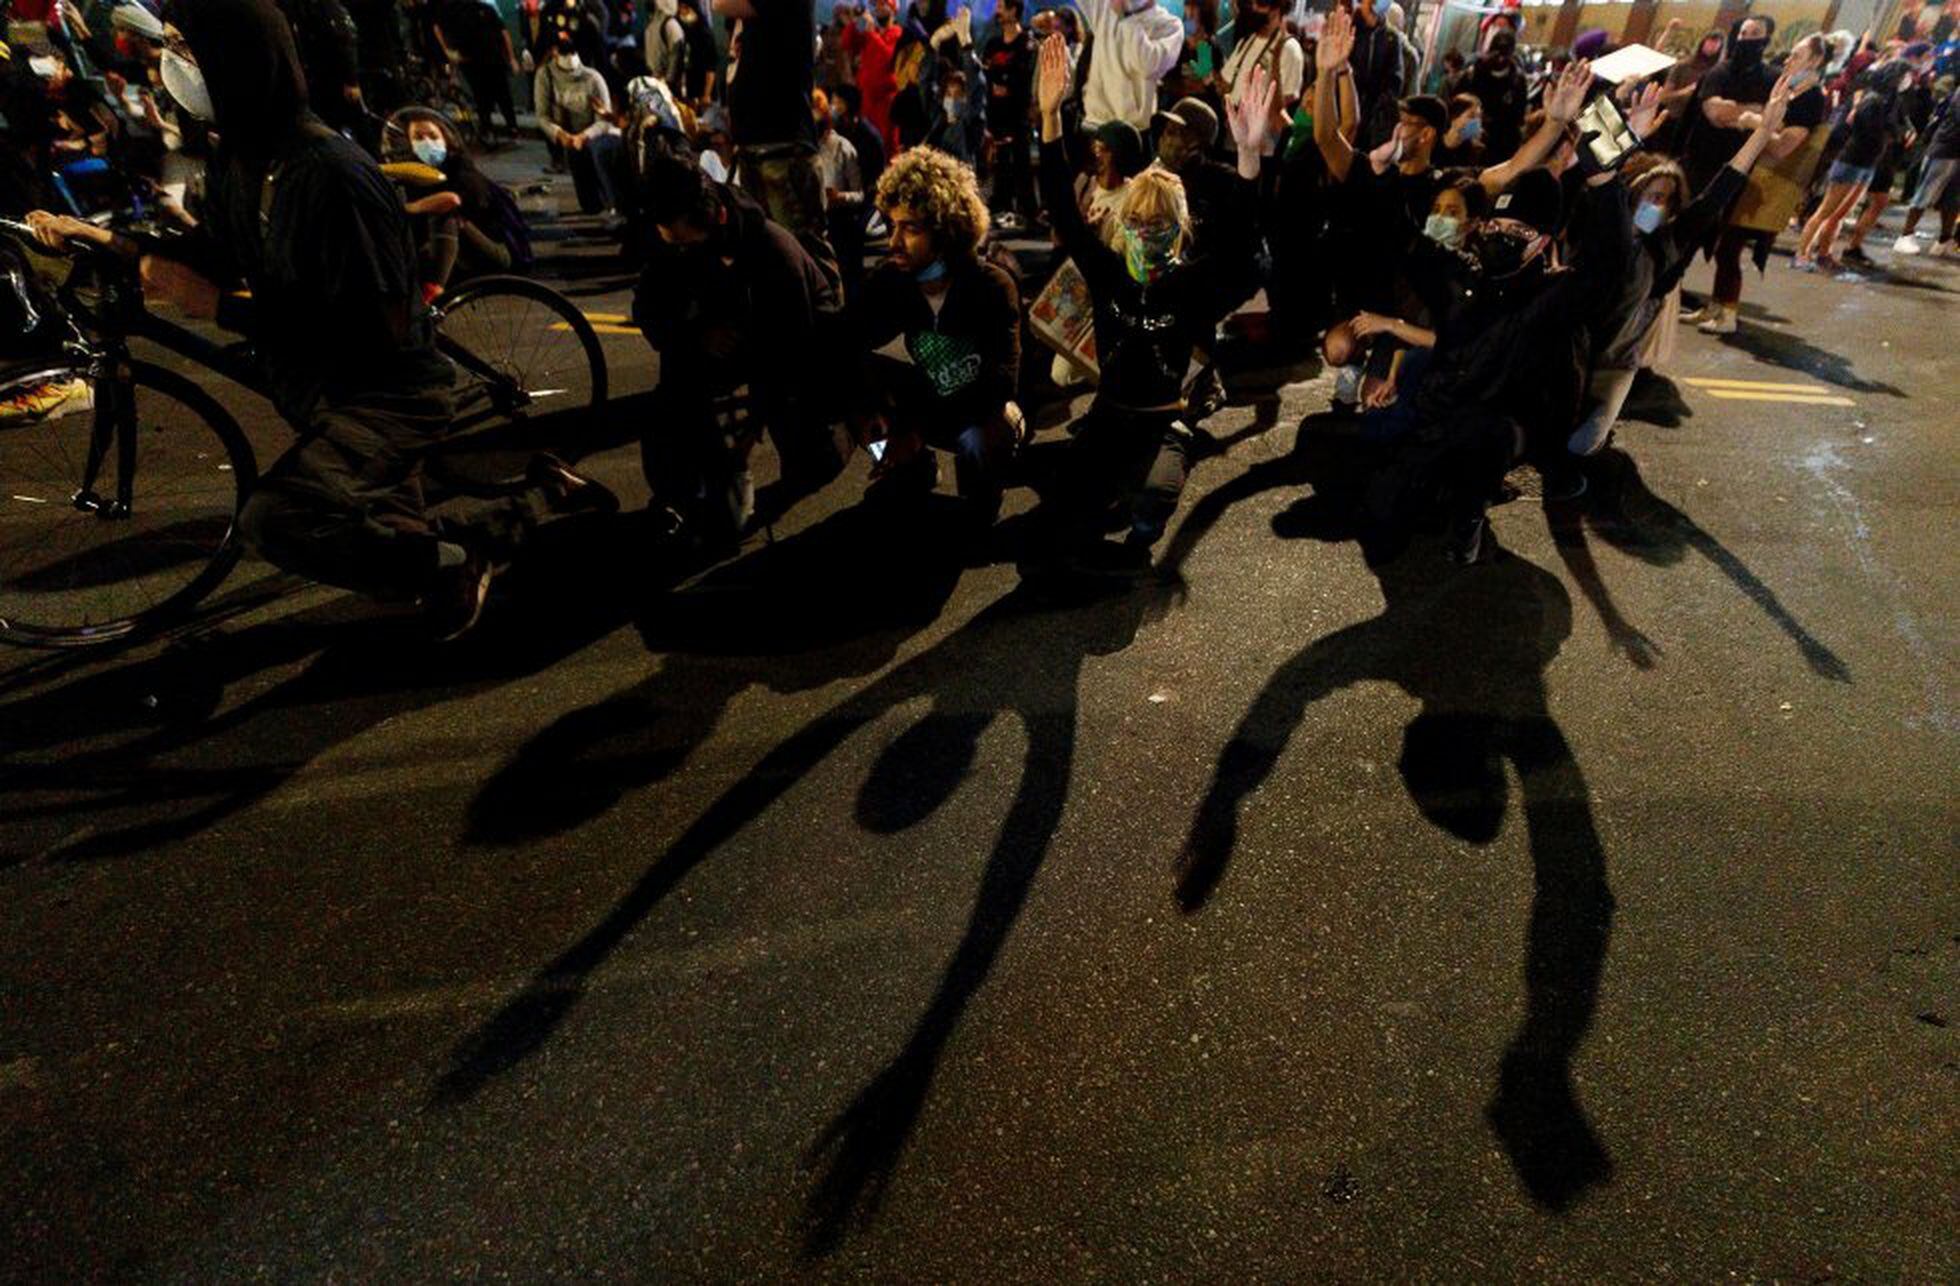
(1611,139)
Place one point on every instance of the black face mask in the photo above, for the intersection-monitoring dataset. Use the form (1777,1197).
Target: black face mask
(1748,54)
(1500,254)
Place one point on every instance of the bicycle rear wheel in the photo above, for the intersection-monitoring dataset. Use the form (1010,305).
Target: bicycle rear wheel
(119,519)
(532,345)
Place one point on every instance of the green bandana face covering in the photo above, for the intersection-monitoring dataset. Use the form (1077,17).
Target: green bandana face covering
(1148,251)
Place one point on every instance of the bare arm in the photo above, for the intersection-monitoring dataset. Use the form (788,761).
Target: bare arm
(1561,109)
(1330,64)
(736,10)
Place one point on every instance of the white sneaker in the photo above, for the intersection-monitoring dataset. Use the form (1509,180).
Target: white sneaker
(1696,316)
(1907,244)
(1722,323)
(1947,250)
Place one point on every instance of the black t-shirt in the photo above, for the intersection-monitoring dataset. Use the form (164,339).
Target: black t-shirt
(769,101)
(703,59)
(1009,65)
(1709,146)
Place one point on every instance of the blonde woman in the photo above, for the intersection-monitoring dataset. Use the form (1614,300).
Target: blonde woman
(1152,300)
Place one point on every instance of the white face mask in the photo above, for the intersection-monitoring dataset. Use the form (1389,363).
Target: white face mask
(952,106)
(566,62)
(185,84)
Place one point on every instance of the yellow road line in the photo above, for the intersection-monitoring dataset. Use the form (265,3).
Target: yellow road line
(616,319)
(1713,382)
(600,328)
(1754,395)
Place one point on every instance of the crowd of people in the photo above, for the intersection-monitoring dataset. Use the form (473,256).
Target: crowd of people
(857,235)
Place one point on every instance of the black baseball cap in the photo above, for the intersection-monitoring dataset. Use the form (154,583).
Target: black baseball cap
(1195,115)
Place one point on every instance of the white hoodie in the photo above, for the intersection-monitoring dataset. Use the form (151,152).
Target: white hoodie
(1136,46)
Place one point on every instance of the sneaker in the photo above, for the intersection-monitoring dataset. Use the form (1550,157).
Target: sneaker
(567,492)
(1696,316)
(1857,255)
(48,401)
(454,606)
(1722,323)
(1907,244)
(1803,263)
(1947,250)
(1829,264)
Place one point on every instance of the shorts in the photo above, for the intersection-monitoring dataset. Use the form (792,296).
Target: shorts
(1844,172)
(1934,182)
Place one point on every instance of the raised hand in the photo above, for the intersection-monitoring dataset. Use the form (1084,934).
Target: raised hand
(1251,117)
(1779,101)
(1051,75)
(1644,112)
(1568,98)
(1336,41)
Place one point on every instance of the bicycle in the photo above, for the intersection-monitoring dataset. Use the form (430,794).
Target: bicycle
(117,522)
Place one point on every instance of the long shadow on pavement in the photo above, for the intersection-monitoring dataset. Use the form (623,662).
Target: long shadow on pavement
(1472,646)
(164,765)
(1022,656)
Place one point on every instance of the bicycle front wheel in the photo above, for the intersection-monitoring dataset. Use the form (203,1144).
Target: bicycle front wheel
(533,347)
(118,516)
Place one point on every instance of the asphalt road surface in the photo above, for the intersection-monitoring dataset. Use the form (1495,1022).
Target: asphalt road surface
(847,910)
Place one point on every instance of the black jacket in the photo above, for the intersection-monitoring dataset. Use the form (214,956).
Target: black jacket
(1519,350)
(969,351)
(1145,334)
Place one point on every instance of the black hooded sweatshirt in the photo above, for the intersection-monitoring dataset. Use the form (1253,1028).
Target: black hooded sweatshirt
(310,224)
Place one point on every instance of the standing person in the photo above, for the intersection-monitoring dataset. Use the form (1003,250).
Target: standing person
(1500,88)
(574,109)
(1377,67)
(959,318)
(329,55)
(1678,88)
(844,192)
(477,43)
(1877,124)
(700,59)
(1726,109)
(874,47)
(1938,181)
(1264,42)
(847,111)
(383,51)
(1008,59)
(666,44)
(769,109)
(346,347)
(1136,43)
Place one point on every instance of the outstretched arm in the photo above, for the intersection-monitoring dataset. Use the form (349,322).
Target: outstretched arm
(1330,63)
(1562,107)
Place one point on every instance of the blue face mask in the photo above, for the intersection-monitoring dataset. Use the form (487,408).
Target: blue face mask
(1647,216)
(1381,8)
(1471,130)
(430,151)
(931,272)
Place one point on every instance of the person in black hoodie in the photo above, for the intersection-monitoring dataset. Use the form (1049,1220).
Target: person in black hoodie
(959,317)
(1669,229)
(729,297)
(345,346)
